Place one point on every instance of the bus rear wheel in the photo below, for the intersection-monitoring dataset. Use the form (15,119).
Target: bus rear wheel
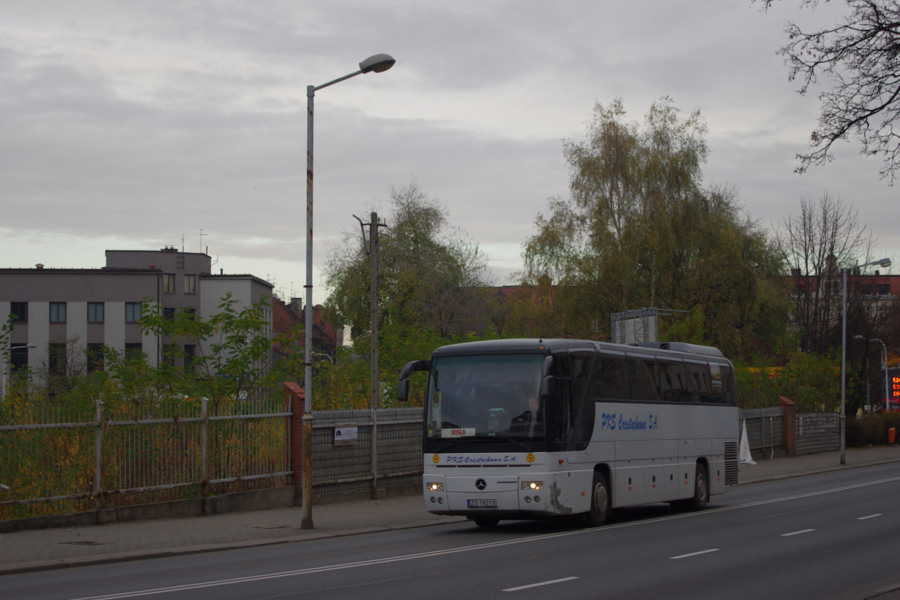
(701,490)
(601,500)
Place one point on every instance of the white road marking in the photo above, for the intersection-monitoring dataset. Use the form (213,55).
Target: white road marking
(869,517)
(793,533)
(692,554)
(540,584)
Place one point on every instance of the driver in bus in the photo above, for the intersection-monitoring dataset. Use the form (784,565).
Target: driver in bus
(529,419)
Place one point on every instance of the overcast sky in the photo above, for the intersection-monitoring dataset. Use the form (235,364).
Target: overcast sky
(140,124)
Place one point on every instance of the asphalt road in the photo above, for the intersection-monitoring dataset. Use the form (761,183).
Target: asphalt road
(828,536)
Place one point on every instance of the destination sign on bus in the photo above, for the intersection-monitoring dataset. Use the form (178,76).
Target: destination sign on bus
(458,432)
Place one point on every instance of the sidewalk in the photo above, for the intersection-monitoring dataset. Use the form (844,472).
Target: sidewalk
(32,550)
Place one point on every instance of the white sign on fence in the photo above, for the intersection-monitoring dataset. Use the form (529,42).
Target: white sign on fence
(345,435)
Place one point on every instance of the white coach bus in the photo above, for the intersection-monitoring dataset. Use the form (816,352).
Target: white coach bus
(527,428)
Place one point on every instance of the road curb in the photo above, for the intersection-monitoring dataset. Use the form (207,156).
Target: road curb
(117,557)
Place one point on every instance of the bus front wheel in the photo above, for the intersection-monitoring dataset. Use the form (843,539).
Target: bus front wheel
(601,500)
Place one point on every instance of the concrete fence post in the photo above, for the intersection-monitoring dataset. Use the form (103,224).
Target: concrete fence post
(204,449)
(98,455)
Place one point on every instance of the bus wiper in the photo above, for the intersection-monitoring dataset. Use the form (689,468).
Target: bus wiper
(447,446)
(512,440)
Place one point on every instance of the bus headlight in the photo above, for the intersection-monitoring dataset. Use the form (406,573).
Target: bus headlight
(532,485)
(434,486)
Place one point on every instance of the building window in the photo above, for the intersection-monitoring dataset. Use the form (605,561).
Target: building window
(56,358)
(20,310)
(132,312)
(134,351)
(57,312)
(95,361)
(168,314)
(168,283)
(95,312)
(190,355)
(18,357)
(170,352)
(190,284)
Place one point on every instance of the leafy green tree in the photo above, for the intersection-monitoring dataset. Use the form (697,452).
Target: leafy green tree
(432,290)
(233,354)
(811,381)
(534,312)
(428,277)
(641,231)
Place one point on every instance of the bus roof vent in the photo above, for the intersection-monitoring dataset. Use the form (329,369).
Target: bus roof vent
(683,347)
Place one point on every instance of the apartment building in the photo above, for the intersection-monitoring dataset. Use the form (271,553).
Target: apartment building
(60,313)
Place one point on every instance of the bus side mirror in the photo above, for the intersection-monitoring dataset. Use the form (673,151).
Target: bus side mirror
(405,372)
(545,368)
(403,390)
(547,386)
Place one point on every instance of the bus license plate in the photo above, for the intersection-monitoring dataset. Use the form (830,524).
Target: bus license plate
(482,503)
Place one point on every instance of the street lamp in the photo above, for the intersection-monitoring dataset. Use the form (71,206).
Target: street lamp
(883,262)
(883,366)
(374,64)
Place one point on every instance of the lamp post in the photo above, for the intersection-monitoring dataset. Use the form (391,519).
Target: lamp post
(883,262)
(884,360)
(377,63)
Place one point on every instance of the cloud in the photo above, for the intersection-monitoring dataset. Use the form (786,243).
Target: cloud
(139,124)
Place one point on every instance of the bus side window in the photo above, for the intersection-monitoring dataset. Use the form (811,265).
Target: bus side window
(729,385)
(610,378)
(722,384)
(672,384)
(698,381)
(642,376)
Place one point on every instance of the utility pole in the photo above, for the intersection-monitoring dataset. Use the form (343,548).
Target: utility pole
(371,245)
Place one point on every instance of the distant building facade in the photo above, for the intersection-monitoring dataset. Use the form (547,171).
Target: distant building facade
(818,298)
(60,313)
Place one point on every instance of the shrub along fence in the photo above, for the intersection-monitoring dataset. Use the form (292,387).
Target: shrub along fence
(59,460)
(62,460)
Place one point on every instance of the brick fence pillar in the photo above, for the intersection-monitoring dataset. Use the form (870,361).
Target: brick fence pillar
(294,398)
(788,425)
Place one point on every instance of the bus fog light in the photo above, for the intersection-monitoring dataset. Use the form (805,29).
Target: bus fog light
(537,499)
(532,485)
(527,500)
(440,500)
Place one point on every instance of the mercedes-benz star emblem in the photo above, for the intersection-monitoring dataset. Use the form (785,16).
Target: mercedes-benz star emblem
(481,484)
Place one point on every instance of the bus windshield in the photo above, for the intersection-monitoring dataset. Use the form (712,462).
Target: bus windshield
(486,395)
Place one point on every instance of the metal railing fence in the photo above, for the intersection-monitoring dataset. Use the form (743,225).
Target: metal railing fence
(395,459)
(764,429)
(59,460)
